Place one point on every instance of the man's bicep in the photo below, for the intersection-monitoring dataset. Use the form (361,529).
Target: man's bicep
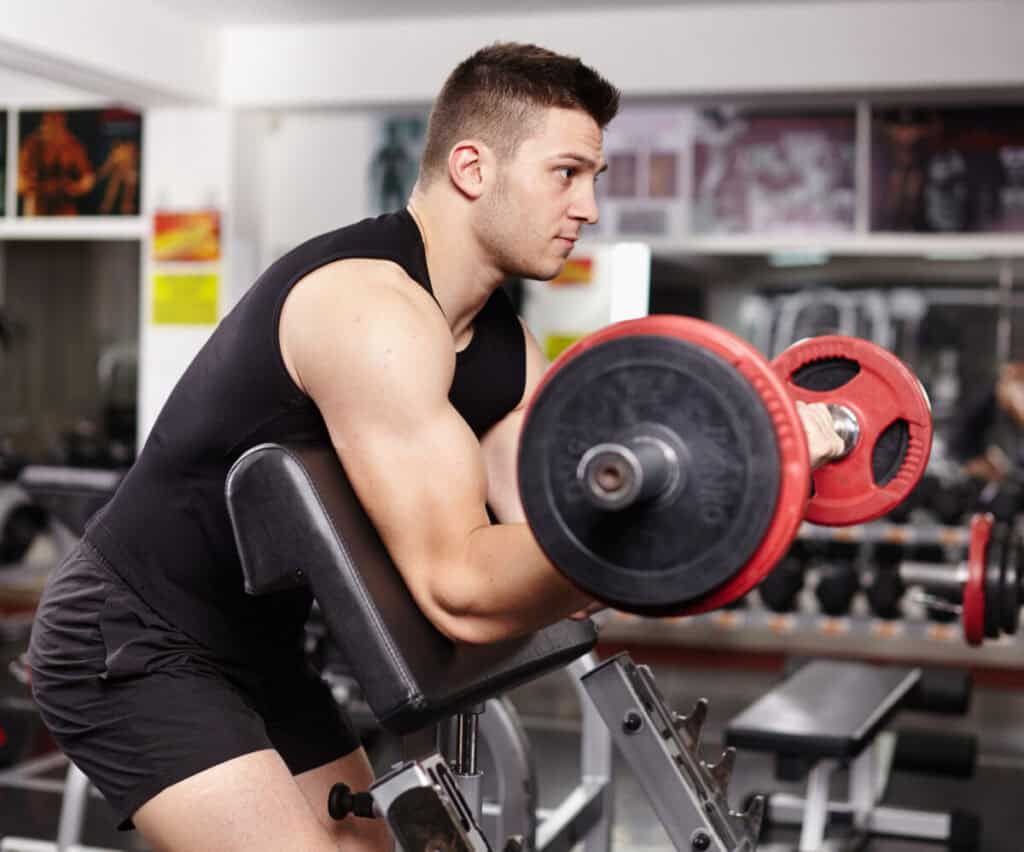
(421,481)
(380,384)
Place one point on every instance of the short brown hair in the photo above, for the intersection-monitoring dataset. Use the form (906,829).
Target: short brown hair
(493,96)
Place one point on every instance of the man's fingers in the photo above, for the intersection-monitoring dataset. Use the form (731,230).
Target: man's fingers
(823,442)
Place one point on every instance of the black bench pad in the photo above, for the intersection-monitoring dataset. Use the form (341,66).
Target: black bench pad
(296,518)
(826,710)
(71,494)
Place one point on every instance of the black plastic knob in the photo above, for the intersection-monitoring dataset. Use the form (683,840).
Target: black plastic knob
(341,802)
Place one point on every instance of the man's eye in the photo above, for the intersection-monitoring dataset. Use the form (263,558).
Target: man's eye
(567,171)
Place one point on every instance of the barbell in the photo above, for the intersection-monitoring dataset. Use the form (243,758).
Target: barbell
(663,466)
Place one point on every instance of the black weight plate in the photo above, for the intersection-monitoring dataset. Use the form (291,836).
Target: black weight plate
(654,557)
(1010,592)
(994,560)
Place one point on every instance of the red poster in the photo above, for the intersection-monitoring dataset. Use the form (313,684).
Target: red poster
(185,236)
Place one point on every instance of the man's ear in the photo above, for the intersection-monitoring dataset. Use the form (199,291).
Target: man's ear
(471,167)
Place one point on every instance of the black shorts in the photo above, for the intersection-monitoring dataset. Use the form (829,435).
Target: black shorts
(139,706)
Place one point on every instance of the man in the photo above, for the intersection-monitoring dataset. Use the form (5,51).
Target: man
(985,436)
(188,703)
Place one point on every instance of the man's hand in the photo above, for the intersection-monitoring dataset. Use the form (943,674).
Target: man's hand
(823,444)
(992,465)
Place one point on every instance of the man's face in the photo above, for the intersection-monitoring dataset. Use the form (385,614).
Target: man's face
(543,195)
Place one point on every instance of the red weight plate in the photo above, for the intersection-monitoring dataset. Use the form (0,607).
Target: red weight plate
(883,391)
(973,616)
(794,465)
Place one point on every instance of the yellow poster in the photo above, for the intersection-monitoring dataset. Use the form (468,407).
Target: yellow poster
(185,299)
(557,342)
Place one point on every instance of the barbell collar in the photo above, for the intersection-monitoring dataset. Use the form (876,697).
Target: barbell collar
(644,465)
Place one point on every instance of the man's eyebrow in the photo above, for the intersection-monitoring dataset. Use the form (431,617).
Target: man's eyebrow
(579,158)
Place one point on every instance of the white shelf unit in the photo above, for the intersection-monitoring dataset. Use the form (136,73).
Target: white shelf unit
(929,246)
(74,228)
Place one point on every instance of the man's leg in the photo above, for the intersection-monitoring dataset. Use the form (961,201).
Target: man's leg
(352,833)
(248,804)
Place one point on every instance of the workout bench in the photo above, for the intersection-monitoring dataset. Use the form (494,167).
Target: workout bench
(830,715)
(297,520)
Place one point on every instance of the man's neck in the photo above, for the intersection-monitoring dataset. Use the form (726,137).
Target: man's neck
(461,276)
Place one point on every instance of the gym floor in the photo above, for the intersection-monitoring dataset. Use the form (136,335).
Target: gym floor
(549,714)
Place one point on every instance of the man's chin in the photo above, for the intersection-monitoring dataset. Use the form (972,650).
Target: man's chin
(550,272)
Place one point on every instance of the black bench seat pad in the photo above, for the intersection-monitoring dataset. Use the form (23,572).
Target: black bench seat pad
(827,709)
(296,518)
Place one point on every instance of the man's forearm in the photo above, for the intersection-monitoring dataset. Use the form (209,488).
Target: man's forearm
(507,587)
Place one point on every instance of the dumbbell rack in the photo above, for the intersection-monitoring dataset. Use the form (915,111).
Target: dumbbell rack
(756,629)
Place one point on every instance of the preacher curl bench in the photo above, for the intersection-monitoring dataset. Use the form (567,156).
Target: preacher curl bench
(297,520)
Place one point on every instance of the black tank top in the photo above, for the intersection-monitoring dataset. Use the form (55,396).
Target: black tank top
(167,533)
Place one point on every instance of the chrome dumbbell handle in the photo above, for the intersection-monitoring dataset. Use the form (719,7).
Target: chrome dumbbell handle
(934,575)
(844,421)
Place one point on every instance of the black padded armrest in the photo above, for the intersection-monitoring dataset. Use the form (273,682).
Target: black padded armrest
(71,494)
(296,518)
(827,709)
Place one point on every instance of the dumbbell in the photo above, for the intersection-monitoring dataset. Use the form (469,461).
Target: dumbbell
(837,586)
(883,586)
(884,591)
(780,590)
(990,583)
(663,466)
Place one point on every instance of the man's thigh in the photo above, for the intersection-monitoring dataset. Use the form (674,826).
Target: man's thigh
(248,804)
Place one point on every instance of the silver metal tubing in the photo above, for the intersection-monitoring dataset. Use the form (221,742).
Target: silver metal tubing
(72,810)
(466,729)
(933,574)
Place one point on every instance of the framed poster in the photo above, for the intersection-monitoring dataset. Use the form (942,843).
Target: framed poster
(83,162)
(395,162)
(947,170)
(773,172)
(644,192)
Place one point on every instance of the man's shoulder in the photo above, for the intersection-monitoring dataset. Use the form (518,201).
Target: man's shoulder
(357,279)
(364,297)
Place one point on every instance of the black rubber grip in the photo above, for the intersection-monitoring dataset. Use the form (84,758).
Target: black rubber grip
(936,753)
(964,832)
(342,801)
(943,691)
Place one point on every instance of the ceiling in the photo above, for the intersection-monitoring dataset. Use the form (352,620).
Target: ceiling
(22,87)
(257,12)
